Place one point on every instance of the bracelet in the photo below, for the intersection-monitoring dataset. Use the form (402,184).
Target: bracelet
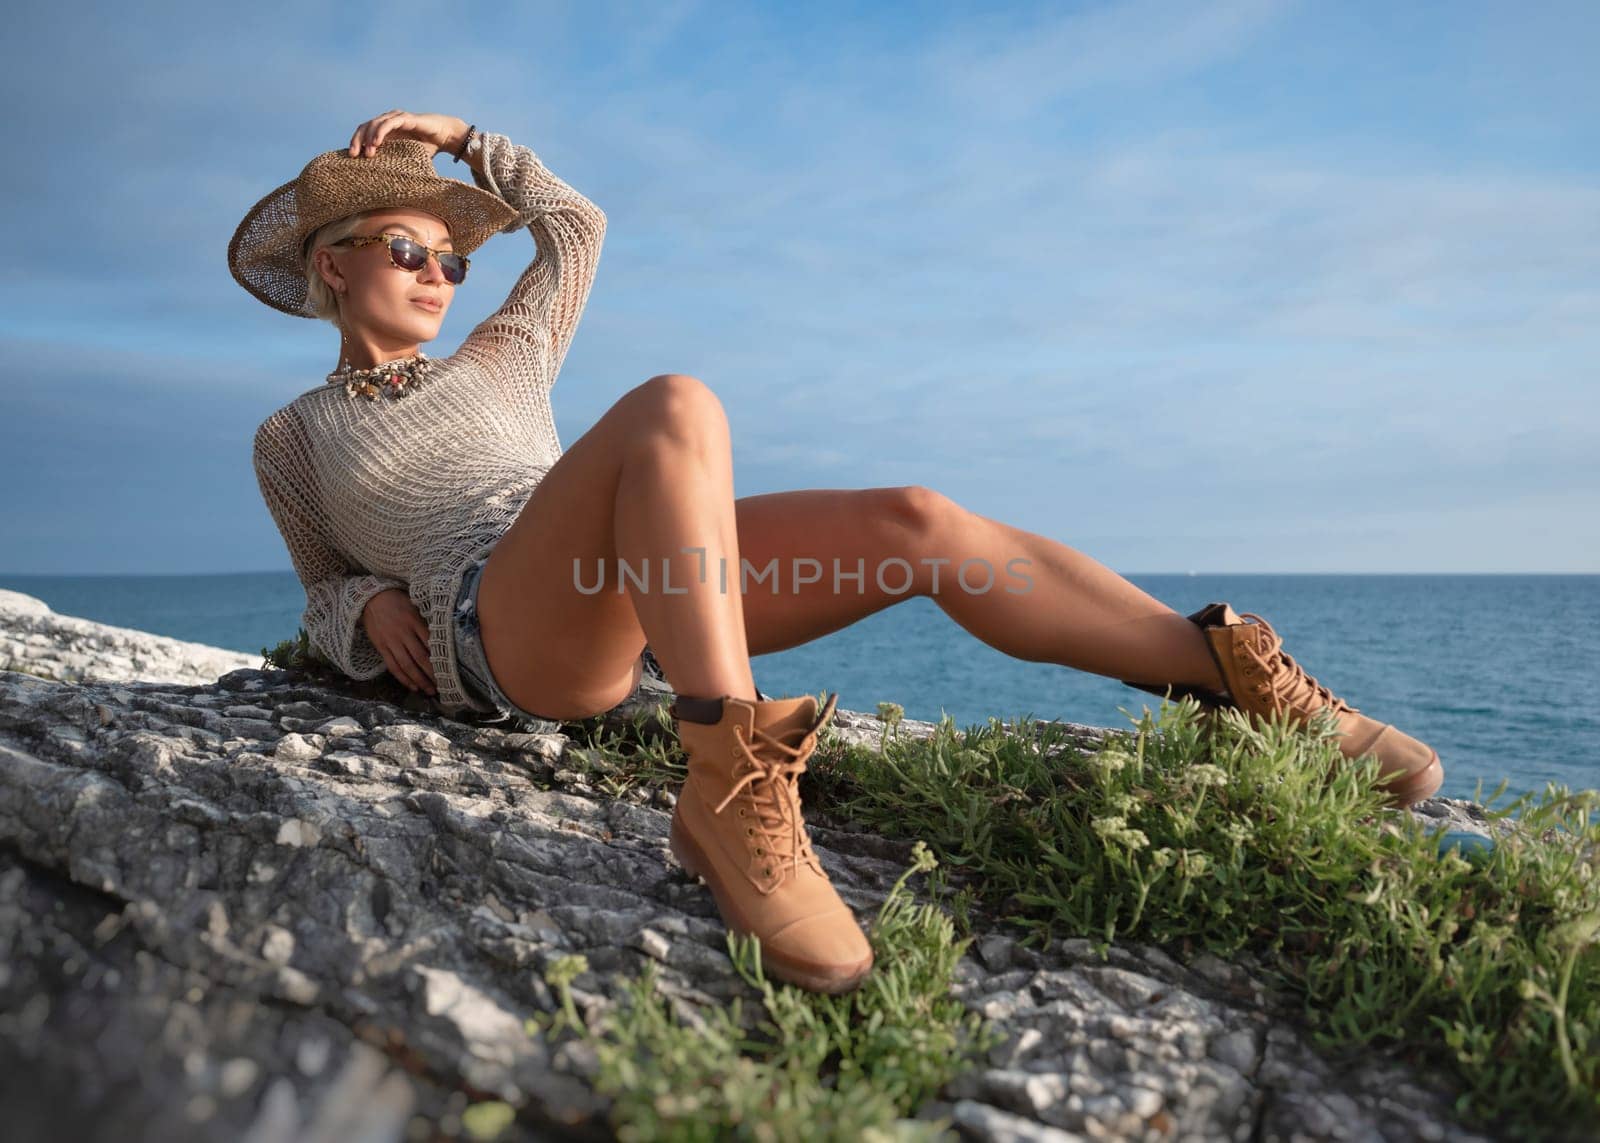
(465,139)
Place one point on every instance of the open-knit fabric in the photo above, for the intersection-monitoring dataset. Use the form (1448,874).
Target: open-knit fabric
(407,492)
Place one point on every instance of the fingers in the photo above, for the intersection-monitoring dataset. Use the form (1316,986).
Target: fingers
(394,665)
(400,633)
(362,143)
(400,665)
(363,136)
(417,651)
(369,136)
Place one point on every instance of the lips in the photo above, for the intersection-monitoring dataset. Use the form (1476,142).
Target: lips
(428,304)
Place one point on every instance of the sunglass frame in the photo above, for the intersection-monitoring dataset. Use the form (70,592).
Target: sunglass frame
(359,240)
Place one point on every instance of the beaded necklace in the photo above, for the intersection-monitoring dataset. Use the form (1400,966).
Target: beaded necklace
(392,379)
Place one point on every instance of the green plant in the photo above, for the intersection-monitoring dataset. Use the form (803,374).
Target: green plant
(1229,833)
(296,654)
(818,1067)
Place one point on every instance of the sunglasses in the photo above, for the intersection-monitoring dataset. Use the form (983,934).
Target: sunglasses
(409,255)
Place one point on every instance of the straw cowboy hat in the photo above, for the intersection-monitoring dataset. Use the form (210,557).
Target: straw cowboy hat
(265,253)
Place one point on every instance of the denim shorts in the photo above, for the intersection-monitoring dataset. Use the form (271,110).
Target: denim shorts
(473,664)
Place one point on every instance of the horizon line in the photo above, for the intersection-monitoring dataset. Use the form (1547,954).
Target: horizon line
(1179,574)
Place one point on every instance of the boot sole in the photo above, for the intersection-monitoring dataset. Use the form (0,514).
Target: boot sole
(688,853)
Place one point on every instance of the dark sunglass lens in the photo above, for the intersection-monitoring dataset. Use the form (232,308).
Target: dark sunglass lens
(407,254)
(454,267)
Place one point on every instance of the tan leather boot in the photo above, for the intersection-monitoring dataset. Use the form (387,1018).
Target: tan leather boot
(738,825)
(1262,680)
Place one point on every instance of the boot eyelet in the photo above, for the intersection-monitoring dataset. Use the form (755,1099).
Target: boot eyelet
(749,831)
(741,811)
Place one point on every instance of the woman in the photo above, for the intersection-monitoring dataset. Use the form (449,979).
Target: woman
(443,535)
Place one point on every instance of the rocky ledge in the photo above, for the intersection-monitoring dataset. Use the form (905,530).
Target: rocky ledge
(257,908)
(37,641)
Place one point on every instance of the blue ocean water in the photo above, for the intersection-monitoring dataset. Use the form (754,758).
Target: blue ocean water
(1494,671)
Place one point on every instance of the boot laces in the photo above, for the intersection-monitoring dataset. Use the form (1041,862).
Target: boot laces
(1286,681)
(771,789)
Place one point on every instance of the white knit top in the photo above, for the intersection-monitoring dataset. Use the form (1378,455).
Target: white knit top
(406,492)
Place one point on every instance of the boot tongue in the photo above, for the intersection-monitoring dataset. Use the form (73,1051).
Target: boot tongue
(789,720)
(806,717)
(1215,615)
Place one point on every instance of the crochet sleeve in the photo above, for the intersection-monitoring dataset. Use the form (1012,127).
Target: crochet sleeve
(336,592)
(548,299)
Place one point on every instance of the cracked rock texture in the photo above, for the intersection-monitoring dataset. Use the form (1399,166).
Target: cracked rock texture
(35,640)
(253,908)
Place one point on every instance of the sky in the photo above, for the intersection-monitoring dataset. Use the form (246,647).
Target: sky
(1246,286)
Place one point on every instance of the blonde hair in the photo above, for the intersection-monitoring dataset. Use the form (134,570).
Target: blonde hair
(323,301)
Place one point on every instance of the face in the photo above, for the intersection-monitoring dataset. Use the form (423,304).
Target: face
(378,296)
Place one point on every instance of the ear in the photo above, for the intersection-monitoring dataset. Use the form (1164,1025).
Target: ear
(328,267)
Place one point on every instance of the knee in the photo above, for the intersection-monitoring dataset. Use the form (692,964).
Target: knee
(681,408)
(677,398)
(918,510)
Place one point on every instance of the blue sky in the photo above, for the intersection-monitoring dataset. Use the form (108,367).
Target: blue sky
(1226,287)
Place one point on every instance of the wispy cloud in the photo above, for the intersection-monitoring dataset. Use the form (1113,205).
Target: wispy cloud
(1004,65)
(1063,264)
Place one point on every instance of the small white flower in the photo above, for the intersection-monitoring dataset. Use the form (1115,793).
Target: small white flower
(1115,830)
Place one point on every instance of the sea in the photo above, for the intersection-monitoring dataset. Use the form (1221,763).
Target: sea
(1496,672)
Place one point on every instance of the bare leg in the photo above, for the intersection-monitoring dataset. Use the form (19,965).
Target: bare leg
(653,476)
(1077,612)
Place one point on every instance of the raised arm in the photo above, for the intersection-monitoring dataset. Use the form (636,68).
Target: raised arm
(336,593)
(548,299)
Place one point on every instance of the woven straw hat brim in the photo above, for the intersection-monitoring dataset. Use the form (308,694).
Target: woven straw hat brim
(264,254)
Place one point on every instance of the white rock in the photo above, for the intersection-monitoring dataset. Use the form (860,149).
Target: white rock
(490,1031)
(298,833)
(278,945)
(295,748)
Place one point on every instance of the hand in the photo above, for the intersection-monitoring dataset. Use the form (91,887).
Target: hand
(400,634)
(438,131)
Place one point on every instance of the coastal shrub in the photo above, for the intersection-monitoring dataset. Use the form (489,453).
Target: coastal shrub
(297,654)
(1222,833)
(815,1067)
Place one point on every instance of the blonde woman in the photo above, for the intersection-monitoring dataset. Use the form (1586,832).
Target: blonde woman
(445,536)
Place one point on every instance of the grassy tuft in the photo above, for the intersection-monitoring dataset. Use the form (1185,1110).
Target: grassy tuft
(298,654)
(1223,833)
(816,1067)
